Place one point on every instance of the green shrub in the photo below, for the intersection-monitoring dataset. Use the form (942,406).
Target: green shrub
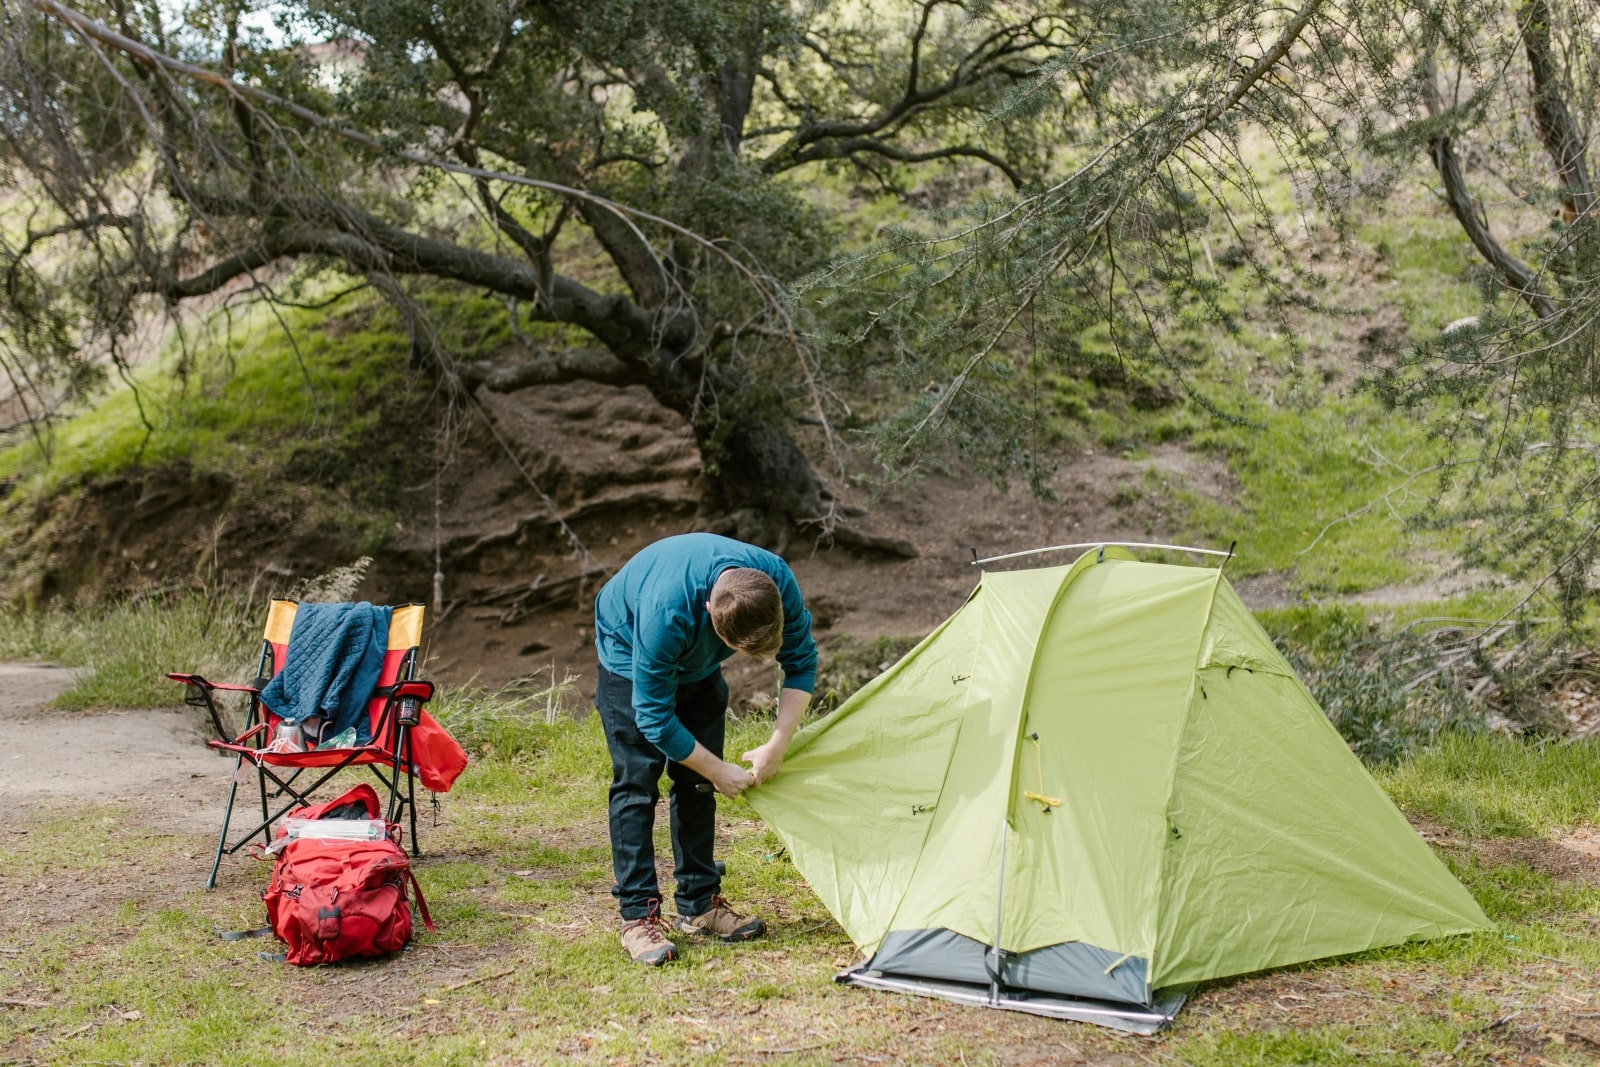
(122,652)
(517,719)
(1385,690)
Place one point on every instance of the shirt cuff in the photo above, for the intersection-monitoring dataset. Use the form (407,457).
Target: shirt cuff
(806,683)
(677,743)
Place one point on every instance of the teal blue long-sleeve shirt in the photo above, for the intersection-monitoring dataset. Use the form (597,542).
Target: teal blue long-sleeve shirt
(651,627)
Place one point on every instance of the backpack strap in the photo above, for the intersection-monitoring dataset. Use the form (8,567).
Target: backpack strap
(422,904)
(240,935)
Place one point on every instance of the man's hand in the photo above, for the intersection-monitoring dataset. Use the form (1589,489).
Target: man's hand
(730,779)
(767,760)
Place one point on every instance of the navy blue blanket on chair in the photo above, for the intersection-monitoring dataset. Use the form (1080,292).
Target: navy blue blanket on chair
(334,660)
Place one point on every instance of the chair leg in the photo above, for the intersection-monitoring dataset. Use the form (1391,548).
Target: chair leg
(227,816)
(396,805)
(411,802)
(261,780)
(399,767)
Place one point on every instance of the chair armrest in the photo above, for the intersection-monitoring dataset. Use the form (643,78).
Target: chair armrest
(226,687)
(422,690)
(199,696)
(195,679)
(396,699)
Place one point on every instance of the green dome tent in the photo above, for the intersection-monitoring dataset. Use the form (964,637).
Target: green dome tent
(1091,788)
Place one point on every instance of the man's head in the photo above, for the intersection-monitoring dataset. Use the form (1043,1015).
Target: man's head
(747,612)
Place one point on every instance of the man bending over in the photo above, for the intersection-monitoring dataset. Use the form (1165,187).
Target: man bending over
(663,625)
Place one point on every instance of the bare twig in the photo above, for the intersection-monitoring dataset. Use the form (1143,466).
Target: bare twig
(480,979)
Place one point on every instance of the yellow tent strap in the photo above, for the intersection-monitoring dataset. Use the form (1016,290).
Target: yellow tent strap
(1045,803)
(1118,963)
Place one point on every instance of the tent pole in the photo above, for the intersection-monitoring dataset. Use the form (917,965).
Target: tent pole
(999,912)
(1103,544)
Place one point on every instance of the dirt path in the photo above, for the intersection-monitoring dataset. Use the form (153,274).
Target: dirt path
(49,753)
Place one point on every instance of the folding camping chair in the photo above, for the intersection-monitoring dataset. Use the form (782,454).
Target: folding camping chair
(395,710)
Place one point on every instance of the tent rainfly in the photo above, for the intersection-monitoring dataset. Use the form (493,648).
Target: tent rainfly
(1091,788)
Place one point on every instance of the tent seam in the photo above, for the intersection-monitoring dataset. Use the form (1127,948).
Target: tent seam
(983,622)
(1071,576)
(1172,781)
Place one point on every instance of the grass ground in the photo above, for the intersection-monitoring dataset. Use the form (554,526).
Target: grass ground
(107,953)
(248,401)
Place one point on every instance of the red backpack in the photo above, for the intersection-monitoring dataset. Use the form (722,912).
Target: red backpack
(331,899)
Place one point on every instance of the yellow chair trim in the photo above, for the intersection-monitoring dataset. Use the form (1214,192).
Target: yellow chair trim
(405,625)
(280,621)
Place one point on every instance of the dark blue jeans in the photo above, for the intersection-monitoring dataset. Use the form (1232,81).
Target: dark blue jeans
(636,767)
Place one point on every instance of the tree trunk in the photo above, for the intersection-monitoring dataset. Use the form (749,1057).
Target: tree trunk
(763,485)
(769,492)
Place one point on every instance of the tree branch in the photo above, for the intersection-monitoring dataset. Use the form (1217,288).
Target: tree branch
(148,57)
(88,222)
(1557,131)
(1514,273)
(551,368)
(369,244)
(915,67)
(852,146)
(809,141)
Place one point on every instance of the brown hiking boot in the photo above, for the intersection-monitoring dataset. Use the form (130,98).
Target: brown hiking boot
(722,922)
(646,939)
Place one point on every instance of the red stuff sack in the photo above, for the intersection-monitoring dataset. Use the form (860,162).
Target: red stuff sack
(332,899)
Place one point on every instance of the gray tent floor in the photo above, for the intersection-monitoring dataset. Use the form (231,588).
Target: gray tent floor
(1131,1018)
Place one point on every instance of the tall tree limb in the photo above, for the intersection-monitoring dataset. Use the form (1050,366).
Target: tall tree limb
(1557,131)
(1514,273)
(815,138)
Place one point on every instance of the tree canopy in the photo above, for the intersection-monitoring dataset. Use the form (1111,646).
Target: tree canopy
(159,154)
(165,154)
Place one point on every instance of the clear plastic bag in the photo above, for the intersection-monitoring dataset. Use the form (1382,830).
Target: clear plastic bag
(346,738)
(336,829)
(285,738)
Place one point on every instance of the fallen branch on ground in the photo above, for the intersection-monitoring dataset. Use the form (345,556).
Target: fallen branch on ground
(480,979)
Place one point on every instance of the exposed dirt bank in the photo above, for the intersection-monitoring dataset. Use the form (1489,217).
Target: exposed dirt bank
(546,495)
